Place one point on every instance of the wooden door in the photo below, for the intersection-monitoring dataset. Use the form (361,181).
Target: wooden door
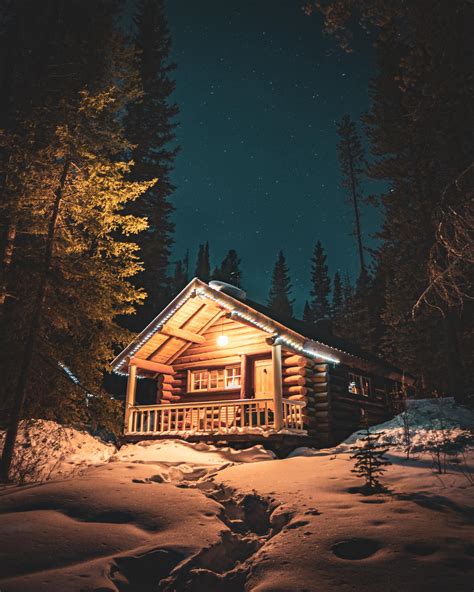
(263,379)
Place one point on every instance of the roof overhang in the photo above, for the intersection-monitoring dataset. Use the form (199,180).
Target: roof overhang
(277,332)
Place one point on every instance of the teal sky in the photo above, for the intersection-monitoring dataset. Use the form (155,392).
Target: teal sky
(260,88)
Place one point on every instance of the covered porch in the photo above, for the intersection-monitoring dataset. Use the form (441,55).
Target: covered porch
(252,414)
(242,416)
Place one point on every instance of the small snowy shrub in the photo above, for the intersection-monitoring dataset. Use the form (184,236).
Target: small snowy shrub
(370,462)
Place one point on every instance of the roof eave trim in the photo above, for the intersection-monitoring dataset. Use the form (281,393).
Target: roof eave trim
(188,292)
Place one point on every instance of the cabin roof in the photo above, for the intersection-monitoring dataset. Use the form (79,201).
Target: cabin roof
(199,305)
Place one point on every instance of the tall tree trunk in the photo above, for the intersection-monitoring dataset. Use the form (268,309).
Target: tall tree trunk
(355,203)
(7,258)
(25,366)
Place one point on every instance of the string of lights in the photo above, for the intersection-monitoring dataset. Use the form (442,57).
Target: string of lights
(307,347)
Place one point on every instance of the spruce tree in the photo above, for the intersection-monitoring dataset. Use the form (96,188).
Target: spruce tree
(321,285)
(203,268)
(337,296)
(421,134)
(351,159)
(150,128)
(229,269)
(180,277)
(279,299)
(307,314)
(370,462)
(71,277)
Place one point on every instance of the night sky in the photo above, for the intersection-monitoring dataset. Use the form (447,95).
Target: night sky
(260,88)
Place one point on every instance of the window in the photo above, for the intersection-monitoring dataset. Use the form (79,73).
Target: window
(359,385)
(232,377)
(215,379)
(199,380)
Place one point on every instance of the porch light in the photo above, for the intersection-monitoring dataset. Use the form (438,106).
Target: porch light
(222,340)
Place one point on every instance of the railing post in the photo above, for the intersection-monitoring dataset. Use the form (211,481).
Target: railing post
(130,397)
(277,386)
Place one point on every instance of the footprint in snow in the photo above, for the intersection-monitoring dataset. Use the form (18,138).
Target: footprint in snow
(355,549)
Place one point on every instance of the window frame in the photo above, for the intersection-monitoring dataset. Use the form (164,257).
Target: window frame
(359,380)
(221,383)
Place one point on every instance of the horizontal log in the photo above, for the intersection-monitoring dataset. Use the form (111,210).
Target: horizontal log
(321,406)
(320,368)
(295,370)
(218,355)
(298,398)
(298,380)
(295,360)
(295,390)
(321,388)
(236,344)
(339,380)
(167,388)
(320,397)
(151,366)
(319,378)
(164,379)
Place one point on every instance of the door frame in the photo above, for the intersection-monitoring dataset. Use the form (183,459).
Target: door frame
(250,374)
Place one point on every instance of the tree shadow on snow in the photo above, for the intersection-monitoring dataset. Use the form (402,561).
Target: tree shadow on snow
(438,503)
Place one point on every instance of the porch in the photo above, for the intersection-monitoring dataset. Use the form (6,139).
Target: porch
(239,416)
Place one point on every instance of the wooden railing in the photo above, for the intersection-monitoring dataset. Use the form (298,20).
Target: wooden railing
(239,416)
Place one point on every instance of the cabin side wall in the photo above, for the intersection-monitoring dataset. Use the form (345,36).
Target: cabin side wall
(350,411)
(332,413)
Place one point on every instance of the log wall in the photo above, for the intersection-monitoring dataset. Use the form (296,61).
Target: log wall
(349,411)
(331,412)
(243,340)
(306,380)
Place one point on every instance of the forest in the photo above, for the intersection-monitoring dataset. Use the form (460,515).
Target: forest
(88,144)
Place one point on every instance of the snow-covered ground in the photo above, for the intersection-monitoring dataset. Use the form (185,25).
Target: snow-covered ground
(46,450)
(170,515)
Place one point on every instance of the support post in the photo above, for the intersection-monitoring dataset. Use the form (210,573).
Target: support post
(277,387)
(243,376)
(130,397)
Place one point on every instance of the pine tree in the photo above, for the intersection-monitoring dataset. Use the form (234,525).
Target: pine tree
(180,277)
(342,308)
(203,268)
(72,268)
(370,462)
(229,269)
(421,133)
(337,296)
(151,128)
(53,60)
(279,300)
(321,285)
(307,314)
(362,321)
(351,159)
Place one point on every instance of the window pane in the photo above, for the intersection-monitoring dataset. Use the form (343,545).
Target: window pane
(365,384)
(199,380)
(353,384)
(216,378)
(232,377)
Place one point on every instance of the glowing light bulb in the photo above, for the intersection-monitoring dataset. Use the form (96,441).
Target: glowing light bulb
(222,340)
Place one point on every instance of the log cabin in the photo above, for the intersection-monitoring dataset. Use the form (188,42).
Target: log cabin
(215,366)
